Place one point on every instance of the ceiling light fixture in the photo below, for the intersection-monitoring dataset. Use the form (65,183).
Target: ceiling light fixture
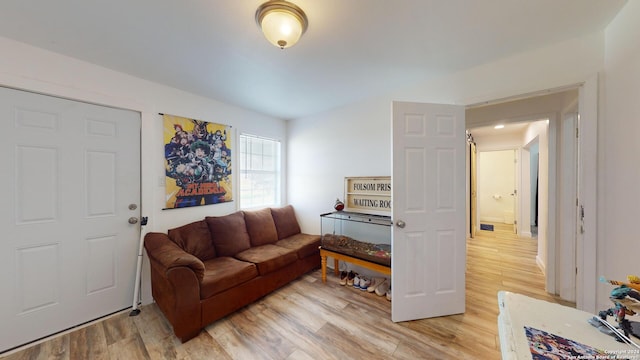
(282,22)
(499,127)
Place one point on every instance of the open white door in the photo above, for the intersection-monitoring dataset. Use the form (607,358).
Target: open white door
(428,210)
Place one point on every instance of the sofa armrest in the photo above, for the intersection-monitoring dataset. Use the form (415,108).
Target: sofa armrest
(169,255)
(175,284)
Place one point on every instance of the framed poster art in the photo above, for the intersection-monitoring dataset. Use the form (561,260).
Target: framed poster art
(198,166)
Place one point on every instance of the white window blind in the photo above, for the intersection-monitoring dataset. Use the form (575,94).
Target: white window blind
(259,172)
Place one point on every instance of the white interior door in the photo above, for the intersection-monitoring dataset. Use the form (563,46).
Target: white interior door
(68,253)
(429,211)
(497,186)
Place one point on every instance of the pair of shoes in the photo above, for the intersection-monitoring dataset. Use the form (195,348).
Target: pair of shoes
(343,278)
(357,279)
(375,282)
(381,290)
(351,277)
(389,293)
(364,283)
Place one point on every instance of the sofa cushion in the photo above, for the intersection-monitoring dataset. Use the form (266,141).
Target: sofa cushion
(195,239)
(260,226)
(286,222)
(228,233)
(268,257)
(223,273)
(304,244)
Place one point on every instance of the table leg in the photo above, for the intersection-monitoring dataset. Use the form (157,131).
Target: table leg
(323,261)
(336,267)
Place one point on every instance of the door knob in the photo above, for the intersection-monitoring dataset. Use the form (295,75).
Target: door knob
(133,220)
(401,224)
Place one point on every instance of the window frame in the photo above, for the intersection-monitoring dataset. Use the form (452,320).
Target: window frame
(278,171)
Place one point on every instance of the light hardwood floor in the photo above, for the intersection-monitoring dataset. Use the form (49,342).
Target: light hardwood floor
(310,320)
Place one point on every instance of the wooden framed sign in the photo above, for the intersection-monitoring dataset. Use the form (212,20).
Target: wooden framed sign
(370,195)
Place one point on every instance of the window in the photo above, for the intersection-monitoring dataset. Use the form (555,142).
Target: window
(259,172)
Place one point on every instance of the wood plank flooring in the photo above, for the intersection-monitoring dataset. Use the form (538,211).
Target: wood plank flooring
(310,320)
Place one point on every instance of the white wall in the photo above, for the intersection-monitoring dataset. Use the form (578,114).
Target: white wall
(28,68)
(323,150)
(618,251)
(498,142)
(355,139)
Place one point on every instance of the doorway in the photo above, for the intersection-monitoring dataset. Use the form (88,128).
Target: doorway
(539,147)
(504,165)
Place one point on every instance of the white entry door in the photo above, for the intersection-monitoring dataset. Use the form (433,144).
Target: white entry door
(71,180)
(428,192)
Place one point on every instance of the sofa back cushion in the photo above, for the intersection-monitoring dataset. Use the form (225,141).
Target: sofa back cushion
(286,222)
(260,226)
(228,233)
(195,239)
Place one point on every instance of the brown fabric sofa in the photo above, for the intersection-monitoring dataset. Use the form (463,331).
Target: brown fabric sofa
(205,270)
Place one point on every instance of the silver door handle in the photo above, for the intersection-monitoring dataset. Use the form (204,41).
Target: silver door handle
(133,220)
(401,224)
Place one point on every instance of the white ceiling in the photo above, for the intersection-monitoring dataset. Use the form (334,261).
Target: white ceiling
(353,49)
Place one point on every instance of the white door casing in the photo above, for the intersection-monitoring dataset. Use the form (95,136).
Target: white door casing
(473,179)
(566,259)
(428,210)
(516,191)
(68,256)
